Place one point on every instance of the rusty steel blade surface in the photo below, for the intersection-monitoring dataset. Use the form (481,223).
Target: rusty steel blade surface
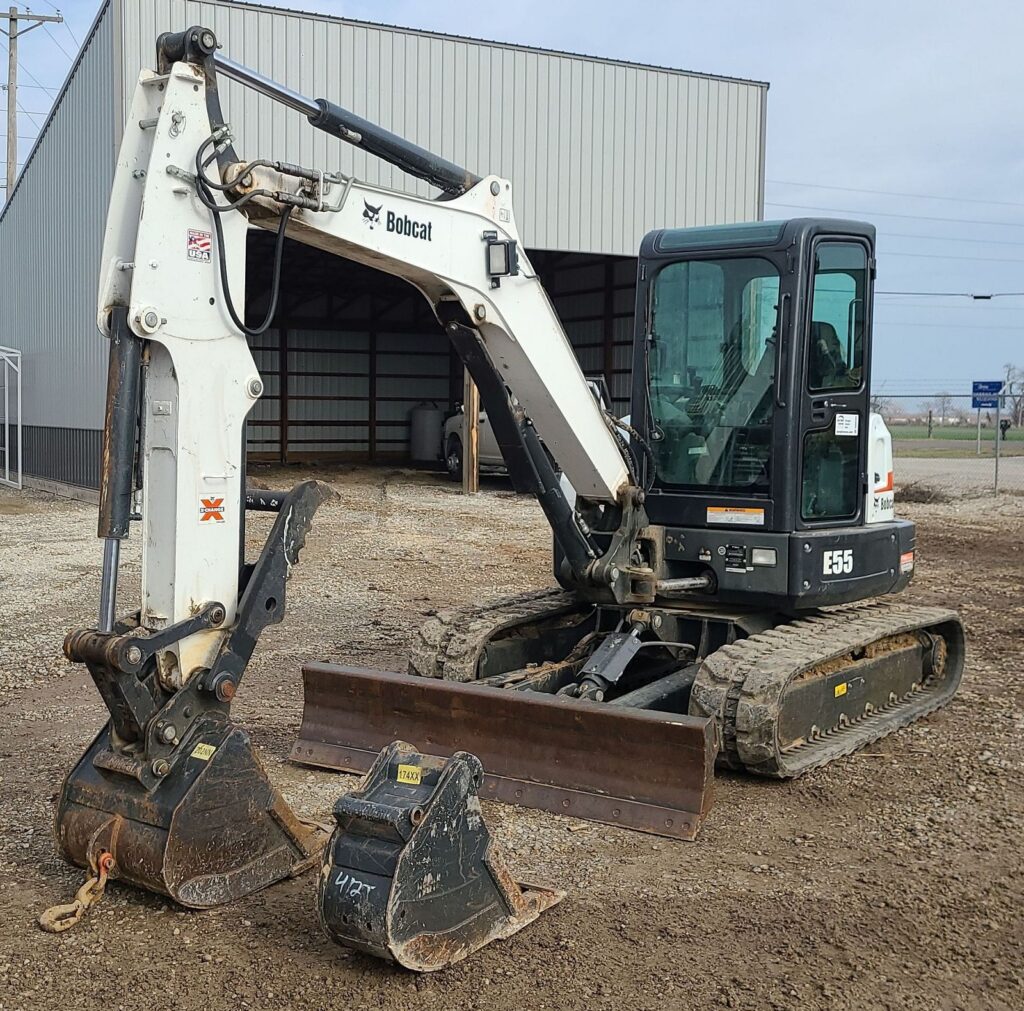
(638,769)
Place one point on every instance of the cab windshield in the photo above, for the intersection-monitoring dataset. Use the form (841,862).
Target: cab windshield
(711,372)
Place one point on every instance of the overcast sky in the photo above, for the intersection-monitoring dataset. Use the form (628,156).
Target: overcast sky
(906,113)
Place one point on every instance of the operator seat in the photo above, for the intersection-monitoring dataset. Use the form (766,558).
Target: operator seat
(827,367)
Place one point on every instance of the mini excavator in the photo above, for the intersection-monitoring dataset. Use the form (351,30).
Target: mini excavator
(726,559)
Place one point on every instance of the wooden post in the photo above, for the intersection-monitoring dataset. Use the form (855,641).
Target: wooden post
(12,100)
(471,436)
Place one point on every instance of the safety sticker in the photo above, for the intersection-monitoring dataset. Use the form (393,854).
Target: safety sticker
(204,752)
(409,774)
(841,689)
(847,424)
(735,516)
(907,561)
(211,510)
(199,245)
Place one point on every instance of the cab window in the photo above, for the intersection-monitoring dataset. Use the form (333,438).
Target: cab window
(711,371)
(838,312)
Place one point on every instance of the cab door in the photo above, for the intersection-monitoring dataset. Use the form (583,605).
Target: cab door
(834,396)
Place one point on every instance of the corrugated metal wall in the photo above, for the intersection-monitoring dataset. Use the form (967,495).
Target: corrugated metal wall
(357,350)
(595,298)
(598,152)
(352,353)
(51,231)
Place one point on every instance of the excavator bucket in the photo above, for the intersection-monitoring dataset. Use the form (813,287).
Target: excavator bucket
(213,830)
(635,768)
(411,873)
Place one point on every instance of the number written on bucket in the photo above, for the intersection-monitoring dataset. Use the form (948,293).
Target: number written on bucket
(838,562)
(351,887)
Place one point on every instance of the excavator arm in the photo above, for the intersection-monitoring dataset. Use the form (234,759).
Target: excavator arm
(174,265)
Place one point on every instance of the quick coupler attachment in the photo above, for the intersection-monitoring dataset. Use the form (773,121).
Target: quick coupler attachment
(411,873)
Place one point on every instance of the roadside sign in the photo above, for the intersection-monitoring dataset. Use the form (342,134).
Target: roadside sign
(985,394)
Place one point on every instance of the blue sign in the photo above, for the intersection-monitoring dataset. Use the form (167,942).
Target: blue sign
(985,394)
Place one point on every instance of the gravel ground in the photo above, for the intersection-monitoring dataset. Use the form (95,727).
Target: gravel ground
(888,880)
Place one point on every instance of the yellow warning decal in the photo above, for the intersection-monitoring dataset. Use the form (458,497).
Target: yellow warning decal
(735,515)
(841,689)
(203,751)
(409,774)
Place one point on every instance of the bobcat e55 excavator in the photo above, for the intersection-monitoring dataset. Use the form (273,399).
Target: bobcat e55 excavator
(701,549)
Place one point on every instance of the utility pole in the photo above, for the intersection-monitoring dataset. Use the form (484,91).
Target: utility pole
(12,17)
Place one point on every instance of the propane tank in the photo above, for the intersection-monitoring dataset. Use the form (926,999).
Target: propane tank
(426,422)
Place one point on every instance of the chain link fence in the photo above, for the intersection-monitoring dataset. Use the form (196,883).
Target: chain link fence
(945,448)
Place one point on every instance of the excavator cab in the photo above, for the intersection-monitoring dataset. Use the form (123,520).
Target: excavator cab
(752,353)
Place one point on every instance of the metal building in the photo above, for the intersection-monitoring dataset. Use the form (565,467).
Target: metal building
(598,152)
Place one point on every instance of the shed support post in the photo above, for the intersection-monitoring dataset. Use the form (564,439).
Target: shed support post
(471,431)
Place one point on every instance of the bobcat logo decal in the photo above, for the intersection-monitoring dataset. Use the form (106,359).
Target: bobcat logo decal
(371,214)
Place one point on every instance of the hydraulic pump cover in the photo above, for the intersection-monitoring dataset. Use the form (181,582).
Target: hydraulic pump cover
(411,872)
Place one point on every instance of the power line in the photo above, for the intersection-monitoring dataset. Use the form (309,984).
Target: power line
(956,294)
(37,112)
(30,115)
(950,326)
(895,193)
(39,84)
(974,307)
(56,42)
(893,214)
(952,238)
(57,10)
(943,256)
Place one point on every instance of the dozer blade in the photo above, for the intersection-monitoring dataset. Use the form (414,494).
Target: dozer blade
(411,872)
(213,830)
(634,768)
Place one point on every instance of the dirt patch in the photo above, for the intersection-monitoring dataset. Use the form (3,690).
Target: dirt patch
(919,492)
(889,880)
(14,504)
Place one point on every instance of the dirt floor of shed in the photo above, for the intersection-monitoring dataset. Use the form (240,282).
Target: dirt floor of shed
(890,880)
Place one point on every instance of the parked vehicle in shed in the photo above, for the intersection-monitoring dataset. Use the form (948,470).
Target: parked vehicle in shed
(491,461)
(455,441)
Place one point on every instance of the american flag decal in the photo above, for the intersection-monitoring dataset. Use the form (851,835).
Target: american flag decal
(199,244)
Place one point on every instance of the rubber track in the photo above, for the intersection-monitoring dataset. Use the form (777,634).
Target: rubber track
(450,644)
(740,685)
